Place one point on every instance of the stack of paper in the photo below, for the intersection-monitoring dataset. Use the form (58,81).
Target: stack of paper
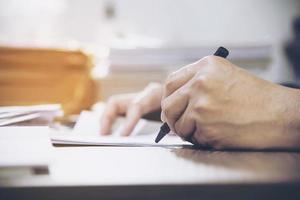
(39,113)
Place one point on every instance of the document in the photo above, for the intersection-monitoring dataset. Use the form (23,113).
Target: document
(135,141)
(87,132)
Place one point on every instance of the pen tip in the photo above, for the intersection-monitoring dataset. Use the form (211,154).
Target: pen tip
(164,130)
(159,136)
(157,139)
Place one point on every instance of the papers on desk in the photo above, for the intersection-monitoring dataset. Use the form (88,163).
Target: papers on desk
(87,132)
(41,114)
(134,141)
(24,147)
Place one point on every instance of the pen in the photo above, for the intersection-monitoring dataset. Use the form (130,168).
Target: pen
(165,129)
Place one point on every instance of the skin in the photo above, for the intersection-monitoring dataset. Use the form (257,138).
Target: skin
(133,106)
(214,103)
(217,104)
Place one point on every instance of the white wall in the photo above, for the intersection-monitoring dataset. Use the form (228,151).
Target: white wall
(209,21)
(214,22)
(176,22)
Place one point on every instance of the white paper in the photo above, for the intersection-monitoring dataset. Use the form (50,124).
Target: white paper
(16,119)
(25,146)
(87,132)
(75,139)
(88,123)
(34,108)
(15,114)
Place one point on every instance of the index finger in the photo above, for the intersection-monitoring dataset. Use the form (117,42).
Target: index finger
(180,77)
(108,118)
(177,79)
(133,115)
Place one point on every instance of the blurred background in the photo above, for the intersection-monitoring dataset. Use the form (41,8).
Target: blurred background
(134,42)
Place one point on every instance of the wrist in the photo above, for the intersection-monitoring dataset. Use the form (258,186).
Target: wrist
(292,111)
(289,118)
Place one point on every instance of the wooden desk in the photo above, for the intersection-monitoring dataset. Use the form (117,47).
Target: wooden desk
(160,173)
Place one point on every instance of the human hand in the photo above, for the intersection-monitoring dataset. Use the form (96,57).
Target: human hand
(214,103)
(134,106)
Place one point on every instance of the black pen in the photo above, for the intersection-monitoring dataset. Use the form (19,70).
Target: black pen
(165,129)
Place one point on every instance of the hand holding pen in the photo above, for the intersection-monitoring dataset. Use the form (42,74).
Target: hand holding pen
(165,129)
(215,103)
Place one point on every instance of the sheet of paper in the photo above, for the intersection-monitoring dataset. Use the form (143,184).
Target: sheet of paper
(16,119)
(88,123)
(37,114)
(5,115)
(75,139)
(25,146)
(34,108)
(87,132)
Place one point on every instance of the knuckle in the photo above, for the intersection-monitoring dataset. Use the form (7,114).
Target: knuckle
(200,64)
(171,76)
(202,106)
(169,85)
(211,59)
(207,60)
(200,81)
(215,61)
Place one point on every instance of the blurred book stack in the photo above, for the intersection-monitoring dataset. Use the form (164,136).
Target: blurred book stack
(131,69)
(170,58)
(31,76)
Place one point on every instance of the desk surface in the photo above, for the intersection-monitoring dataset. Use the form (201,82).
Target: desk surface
(161,172)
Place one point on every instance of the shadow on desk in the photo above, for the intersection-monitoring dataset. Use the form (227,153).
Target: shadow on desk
(270,163)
